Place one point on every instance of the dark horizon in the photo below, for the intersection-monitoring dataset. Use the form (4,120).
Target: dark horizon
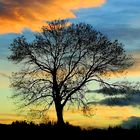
(116,19)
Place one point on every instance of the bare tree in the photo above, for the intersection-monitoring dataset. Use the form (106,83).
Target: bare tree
(60,63)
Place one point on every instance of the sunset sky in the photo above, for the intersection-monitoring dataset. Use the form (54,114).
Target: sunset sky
(117,19)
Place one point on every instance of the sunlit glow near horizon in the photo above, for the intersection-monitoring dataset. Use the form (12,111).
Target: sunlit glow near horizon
(115,18)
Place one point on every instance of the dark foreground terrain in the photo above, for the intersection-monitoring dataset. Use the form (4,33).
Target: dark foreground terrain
(50,131)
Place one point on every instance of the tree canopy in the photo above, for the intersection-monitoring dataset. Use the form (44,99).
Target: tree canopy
(61,61)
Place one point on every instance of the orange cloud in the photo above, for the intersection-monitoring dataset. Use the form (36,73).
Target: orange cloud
(16,15)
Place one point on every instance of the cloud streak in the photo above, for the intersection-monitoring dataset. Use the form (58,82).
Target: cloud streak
(9,118)
(4,75)
(120,101)
(31,14)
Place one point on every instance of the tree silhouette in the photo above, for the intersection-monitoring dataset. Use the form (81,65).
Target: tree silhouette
(61,61)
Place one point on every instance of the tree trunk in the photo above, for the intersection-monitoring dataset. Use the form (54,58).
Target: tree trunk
(59,112)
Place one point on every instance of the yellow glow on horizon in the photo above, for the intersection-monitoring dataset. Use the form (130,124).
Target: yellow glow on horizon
(9,118)
(104,116)
(15,15)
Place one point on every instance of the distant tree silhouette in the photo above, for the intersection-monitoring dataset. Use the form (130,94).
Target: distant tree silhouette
(61,61)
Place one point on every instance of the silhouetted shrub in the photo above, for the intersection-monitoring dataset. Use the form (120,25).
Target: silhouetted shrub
(51,130)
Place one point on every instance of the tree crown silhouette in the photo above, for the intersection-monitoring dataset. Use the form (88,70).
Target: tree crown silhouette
(60,63)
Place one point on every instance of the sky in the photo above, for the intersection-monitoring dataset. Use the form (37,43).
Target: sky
(117,19)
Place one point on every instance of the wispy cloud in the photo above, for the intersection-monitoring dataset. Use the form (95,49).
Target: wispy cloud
(120,101)
(4,79)
(9,118)
(32,13)
(4,75)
